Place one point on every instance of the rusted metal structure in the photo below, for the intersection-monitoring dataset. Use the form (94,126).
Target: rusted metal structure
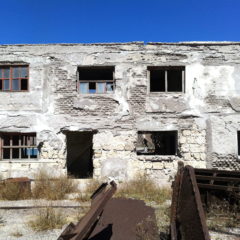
(187,216)
(83,228)
(219,183)
(23,183)
(114,219)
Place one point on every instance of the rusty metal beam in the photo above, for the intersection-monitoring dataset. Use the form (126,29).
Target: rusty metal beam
(219,179)
(219,187)
(187,216)
(83,227)
(227,172)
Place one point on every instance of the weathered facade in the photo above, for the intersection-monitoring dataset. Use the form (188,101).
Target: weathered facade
(100,131)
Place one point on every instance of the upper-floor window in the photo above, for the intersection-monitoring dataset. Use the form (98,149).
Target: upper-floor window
(157,143)
(14,78)
(18,146)
(96,79)
(167,79)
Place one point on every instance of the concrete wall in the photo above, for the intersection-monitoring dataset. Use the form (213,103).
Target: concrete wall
(206,115)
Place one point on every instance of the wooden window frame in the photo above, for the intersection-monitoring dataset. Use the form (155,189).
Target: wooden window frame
(11,78)
(166,69)
(113,82)
(20,146)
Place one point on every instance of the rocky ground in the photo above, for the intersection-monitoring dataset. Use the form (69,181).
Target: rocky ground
(14,223)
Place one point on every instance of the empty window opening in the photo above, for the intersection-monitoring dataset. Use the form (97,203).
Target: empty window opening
(166,79)
(238,135)
(79,154)
(18,146)
(157,143)
(96,80)
(14,78)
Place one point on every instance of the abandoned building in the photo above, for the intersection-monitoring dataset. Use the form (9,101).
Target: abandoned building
(115,110)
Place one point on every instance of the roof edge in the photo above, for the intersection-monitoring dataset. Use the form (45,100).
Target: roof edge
(140,43)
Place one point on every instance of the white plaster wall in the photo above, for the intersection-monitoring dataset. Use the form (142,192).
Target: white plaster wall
(52,105)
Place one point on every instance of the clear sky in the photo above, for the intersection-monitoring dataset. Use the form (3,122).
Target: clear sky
(87,21)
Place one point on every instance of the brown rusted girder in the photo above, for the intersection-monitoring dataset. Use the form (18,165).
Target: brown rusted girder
(83,227)
(187,216)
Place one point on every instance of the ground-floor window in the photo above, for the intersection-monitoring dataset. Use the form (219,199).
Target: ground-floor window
(157,143)
(18,146)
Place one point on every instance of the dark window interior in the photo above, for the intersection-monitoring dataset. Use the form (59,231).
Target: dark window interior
(157,81)
(92,87)
(157,143)
(238,142)
(174,78)
(166,79)
(96,73)
(24,84)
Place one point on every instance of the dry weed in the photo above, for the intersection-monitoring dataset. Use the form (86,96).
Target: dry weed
(52,188)
(223,216)
(46,219)
(91,187)
(143,188)
(17,234)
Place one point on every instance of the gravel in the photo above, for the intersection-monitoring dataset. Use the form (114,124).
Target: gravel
(13,222)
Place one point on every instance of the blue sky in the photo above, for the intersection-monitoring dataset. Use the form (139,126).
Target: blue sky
(87,21)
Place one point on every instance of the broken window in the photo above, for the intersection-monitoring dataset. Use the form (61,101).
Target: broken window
(157,143)
(18,146)
(96,80)
(238,135)
(166,79)
(14,78)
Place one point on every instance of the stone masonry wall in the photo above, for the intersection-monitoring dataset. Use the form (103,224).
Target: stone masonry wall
(205,115)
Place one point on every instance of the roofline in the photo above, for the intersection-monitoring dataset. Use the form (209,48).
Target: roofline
(141,43)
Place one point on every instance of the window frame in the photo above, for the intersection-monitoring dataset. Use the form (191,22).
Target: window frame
(113,82)
(166,68)
(19,146)
(238,143)
(159,131)
(11,78)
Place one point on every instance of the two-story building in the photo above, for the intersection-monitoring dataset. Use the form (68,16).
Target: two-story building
(96,110)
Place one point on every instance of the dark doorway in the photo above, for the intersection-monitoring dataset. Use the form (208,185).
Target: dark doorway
(79,154)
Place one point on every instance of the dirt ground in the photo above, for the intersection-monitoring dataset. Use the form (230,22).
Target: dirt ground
(14,223)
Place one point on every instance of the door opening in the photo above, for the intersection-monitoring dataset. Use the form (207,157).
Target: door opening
(79,154)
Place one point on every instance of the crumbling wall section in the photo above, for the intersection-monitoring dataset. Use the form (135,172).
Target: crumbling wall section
(205,114)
